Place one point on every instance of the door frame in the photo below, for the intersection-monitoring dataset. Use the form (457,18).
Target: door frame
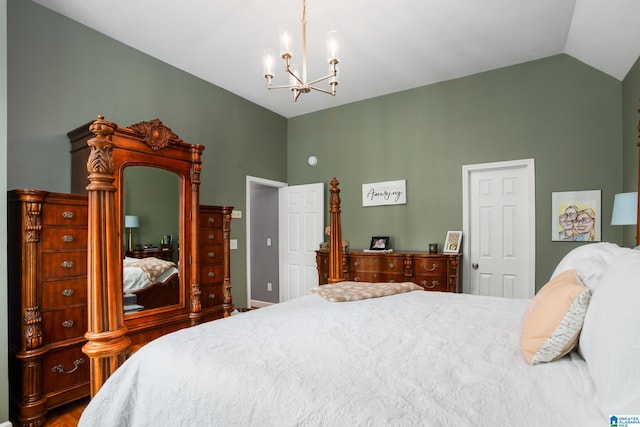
(467,171)
(249,182)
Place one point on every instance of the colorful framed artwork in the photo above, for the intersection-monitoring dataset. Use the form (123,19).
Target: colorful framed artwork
(576,216)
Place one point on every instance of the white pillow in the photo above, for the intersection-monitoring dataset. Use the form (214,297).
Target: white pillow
(610,338)
(590,261)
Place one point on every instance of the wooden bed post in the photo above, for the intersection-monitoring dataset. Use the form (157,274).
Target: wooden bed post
(106,335)
(335,234)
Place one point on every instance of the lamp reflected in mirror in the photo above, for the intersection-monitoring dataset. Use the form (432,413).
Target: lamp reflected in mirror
(131,222)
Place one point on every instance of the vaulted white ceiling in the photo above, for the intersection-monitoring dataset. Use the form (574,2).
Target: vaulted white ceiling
(386,46)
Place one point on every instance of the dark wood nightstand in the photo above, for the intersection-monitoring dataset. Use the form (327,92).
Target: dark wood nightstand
(164,252)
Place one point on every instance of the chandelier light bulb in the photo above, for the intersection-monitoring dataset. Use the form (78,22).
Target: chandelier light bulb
(268,65)
(332,46)
(285,45)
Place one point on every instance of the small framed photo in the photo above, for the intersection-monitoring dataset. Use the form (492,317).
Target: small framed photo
(379,243)
(452,242)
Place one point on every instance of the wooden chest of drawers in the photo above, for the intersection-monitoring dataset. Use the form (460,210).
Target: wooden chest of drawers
(47,292)
(213,238)
(434,272)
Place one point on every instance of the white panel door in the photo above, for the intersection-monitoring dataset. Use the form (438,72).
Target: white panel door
(301,227)
(500,247)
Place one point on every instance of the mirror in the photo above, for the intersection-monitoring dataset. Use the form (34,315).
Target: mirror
(151,276)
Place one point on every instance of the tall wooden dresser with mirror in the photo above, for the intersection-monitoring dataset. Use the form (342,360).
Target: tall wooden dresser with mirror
(49,266)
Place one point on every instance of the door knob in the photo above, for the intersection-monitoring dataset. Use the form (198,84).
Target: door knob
(474,266)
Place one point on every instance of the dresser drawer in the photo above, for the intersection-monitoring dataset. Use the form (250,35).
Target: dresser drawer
(376,276)
(429,266)
(64,324)
(211,273)
(432,283)
(54,214)
(59,265)
(210,235)
(65,368)
(367,263)
(59,294)
(64,238)
(211,295)
(211,254)
(210,220)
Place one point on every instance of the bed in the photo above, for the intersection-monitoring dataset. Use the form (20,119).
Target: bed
(154,282)
(351,354)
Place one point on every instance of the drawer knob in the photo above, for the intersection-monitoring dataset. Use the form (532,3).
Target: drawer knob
(67,215)
(67,264)
(67,292)
(434,266)
(211,296)
(211,220)
(356,279)
(211,254)
(356,263)
(211,236)
(68,324)
(59,369)
(392,265)
(211,274)
(67,238)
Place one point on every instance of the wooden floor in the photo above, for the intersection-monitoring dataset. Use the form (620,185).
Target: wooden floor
(67,415)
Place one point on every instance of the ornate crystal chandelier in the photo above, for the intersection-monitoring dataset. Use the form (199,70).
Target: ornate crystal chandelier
(299,84)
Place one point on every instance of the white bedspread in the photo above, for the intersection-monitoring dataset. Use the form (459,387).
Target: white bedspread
(412,359)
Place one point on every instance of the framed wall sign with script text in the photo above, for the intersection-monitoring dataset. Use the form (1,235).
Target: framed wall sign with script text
(384,193)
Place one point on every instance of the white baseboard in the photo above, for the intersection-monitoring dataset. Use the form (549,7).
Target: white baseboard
(254,303)
(6,424)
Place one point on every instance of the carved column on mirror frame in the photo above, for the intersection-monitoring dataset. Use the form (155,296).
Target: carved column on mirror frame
(106,336)
(335,239)
(227,305)
(194,224)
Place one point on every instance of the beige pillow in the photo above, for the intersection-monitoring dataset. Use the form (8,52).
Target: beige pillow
(553,321)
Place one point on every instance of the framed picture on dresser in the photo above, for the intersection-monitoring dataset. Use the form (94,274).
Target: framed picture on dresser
(379,243)
(452,242)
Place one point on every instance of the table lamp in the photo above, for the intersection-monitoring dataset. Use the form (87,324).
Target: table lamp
(131,222)
(625,209)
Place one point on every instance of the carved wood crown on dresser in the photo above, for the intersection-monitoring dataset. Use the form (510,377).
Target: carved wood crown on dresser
(47,292)
(434,272)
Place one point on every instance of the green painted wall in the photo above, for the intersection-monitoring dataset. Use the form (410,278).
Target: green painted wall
(630,139)
(558,111)
(63,74)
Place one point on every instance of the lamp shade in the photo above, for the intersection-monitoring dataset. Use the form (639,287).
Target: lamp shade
(625,209)
(131,221)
